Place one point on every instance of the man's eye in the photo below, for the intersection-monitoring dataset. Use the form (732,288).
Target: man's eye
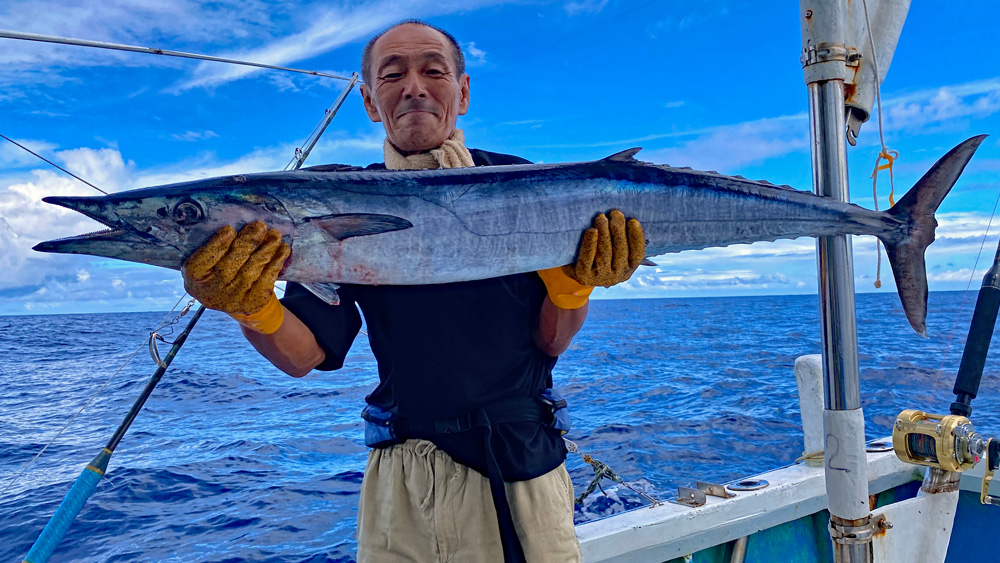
(434,72)
(392,76)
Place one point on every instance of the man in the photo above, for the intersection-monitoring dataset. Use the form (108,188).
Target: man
(467,462)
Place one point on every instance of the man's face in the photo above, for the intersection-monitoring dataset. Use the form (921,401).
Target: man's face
(416,94)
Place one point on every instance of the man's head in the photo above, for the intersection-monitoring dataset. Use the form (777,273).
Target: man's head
(415,84)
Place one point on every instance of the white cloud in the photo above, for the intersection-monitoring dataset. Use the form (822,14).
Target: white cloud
(776,136)
(54,282)
(329,27)
(525,122)
(194,135)
(915,112)
(12,155)
(584,7)
(732,147)
(177,25)
(962,275)
(25,220)
(474,56)
(699,279)
(335,146)
(256,30)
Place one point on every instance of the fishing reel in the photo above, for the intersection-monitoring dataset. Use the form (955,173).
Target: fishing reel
(947,442)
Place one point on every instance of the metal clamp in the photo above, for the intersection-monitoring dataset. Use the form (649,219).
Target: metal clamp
(848,535)
(699,496)
(827,52)
(992,461)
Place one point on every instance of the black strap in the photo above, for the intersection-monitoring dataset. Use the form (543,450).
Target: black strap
(483,419)
(512,551)
(500,412)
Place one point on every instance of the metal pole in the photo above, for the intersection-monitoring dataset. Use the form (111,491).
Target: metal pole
(302,154)
(835,262)
(824,60)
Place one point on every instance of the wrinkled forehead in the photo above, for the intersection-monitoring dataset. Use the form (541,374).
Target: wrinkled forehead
(412,43)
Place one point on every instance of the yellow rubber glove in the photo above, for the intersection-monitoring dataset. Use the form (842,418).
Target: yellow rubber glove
(609,253)
(564,292)
(235,274)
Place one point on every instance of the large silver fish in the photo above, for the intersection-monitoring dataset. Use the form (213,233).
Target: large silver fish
(438,226)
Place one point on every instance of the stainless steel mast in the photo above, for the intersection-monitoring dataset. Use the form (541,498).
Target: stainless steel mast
(825,57)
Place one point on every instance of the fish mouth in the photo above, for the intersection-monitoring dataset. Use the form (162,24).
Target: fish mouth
(119,237)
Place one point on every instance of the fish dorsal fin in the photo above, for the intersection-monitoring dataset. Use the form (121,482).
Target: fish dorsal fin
(627,155)
(346,225)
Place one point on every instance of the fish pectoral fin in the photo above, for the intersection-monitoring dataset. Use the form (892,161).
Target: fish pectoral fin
(627,155)
(326,292)
(346,225)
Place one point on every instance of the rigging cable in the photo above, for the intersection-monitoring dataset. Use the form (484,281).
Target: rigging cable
(163,322)
(28,464)
(54,164)
(965,294)
(5,34)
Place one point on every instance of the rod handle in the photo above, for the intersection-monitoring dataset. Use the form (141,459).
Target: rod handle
(60,522)
(977,346)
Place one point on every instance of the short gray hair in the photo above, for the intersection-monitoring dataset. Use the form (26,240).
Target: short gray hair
(366,55)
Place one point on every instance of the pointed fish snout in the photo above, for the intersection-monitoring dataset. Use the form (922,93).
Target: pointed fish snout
(97,208)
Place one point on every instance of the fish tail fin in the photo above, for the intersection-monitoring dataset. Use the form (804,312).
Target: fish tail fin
(905,247)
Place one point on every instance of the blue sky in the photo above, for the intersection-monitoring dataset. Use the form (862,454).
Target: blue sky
(711,85)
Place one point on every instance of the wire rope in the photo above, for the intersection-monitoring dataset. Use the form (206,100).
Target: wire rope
(24,468)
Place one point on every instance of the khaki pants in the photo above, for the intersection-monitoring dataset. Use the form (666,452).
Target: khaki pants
(419,505)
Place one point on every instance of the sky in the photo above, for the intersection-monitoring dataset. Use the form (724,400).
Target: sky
(711,85)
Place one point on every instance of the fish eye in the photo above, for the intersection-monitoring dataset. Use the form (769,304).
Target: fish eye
(188,212)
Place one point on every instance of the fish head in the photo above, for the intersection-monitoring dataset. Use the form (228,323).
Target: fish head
(162,226)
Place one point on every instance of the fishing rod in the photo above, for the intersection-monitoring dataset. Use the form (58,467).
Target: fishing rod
(950,442)
(86,483)
(6,34)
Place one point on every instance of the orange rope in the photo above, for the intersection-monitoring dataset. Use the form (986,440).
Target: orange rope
(890,157)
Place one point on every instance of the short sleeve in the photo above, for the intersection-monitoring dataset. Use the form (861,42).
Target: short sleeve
(334,326)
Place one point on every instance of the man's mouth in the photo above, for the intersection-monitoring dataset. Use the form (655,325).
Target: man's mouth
(415,112)
(416,109)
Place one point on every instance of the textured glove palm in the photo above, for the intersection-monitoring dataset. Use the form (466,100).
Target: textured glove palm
(609,253)
(235,273)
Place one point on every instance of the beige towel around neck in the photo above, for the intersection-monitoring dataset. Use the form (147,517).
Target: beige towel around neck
(451,154)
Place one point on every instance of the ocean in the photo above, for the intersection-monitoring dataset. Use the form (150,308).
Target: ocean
(231,460)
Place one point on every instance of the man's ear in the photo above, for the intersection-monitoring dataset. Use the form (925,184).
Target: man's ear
(366,97)
(463,101)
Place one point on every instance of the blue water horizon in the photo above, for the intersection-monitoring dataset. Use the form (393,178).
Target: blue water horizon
(231,460)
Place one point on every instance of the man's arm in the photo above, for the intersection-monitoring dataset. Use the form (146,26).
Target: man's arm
(292,348)
(608,254)
(557,327)
(235,273)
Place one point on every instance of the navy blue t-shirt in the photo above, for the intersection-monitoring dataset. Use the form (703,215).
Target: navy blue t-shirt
(444,350)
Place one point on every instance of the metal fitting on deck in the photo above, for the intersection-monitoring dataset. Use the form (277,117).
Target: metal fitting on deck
(845,534)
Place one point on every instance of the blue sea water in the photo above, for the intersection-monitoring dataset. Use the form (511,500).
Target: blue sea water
(231,460)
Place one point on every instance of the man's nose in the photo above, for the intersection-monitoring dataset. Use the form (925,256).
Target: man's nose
(413,86)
